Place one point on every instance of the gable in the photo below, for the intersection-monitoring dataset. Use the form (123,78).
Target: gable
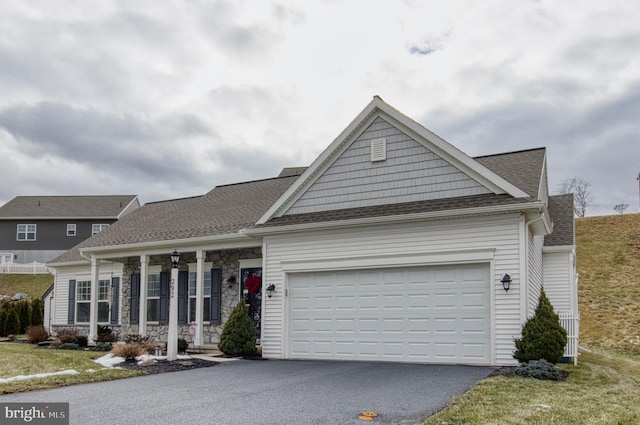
(409,172)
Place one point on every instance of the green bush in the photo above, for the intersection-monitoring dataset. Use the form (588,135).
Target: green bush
(105,334)
(102,346)
(37,312)
(239,334)
(82,340)
(11,322)
(541,369)
(183,344)
(69,346)
(542,335)
(24,310)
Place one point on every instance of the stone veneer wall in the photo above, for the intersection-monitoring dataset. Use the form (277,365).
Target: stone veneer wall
(227,260)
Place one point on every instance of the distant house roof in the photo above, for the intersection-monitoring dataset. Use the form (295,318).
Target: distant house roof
(561,212)
(65,207)
(222,211)
(523,169)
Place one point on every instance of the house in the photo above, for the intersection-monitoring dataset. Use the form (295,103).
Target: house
(393,245)
(39,228)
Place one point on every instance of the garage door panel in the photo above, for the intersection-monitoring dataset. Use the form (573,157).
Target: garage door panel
(418,314)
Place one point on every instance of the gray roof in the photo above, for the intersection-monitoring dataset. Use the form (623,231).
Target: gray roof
(62,207)
(561,212)
(523,169)
(224,210)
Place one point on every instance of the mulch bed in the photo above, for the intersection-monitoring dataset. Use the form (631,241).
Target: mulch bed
(161,366)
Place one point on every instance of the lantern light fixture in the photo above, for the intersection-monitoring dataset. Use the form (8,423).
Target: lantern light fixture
(270,290)
(506,282)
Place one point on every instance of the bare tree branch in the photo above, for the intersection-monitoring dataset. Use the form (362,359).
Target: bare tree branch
(581,195)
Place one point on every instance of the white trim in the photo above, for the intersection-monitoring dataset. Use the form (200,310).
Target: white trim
(495,209)
(558,248)
(126,208)
(386,261)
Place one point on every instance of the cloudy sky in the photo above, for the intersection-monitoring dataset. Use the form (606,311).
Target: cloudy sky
(169,99)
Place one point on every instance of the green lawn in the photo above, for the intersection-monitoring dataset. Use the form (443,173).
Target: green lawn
(34,285)
(26,359)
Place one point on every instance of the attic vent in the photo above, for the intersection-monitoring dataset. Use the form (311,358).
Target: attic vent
(378,150)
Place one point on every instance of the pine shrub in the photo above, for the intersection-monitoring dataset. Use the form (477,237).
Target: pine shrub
(12,321)
(239,334)
(37,312)
(541,369)
(183,344)
(542,335)
(24,310)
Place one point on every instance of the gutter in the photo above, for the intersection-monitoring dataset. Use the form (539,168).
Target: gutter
(537,205)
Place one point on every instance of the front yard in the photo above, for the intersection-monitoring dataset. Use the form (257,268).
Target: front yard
(603,389)
(17,359)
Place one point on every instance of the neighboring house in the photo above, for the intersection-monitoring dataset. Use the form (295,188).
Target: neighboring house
(392,246)
(39,228)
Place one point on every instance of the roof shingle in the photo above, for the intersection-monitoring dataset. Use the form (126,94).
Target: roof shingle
(59,207)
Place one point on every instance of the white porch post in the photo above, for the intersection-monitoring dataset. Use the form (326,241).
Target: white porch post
(93,306)
(199,297)
(172,334)
(142,310)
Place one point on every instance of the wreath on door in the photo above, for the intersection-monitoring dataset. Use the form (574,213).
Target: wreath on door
(252,284)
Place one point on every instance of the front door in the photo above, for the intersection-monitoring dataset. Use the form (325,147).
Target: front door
(251,290)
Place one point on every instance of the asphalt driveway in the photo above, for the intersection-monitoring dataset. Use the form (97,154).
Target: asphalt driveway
(267,392)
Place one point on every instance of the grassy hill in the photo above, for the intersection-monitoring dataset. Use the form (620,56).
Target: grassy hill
(608,263)
(34,285)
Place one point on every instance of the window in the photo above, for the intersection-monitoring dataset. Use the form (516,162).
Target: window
(104,287)
(153,298)
(71,229)
(83,301)
(26,232)
(97,228)
(207,297)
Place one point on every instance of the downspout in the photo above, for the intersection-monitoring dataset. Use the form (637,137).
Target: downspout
(524,306)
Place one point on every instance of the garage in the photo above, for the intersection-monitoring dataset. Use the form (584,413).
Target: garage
(425,314)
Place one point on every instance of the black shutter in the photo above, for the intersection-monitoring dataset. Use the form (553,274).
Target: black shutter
(164,297)
(135,300)
(216,296)
(183,295)
(72,302)
(115,299)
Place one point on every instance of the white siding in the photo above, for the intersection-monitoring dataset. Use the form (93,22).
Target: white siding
(411,172)
(60,308)
(535,272)
(497,234)
(558,280)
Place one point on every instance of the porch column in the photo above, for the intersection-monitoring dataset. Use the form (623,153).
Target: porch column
(142,310)
(93,306)
(199,297)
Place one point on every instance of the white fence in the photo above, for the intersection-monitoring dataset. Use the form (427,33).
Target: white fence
(571,322)
(29,268)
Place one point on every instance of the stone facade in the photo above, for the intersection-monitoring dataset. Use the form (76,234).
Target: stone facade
(227,260)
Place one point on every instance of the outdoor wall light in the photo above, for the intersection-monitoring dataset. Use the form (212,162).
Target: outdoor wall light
(175,257)
(270,290)
(230,280)
(506,282)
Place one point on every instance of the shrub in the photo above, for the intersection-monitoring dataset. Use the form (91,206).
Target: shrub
(37,312)
(105,334)
(128,351)
(103,346)
(36,334)
(542,335)
(138,339)
(239,334)
(68,335)
(541,369)
(82,340)
(182,345)
(24,310)
(11,321)
(69,346)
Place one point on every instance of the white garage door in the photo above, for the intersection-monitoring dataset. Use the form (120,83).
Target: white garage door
(438,314)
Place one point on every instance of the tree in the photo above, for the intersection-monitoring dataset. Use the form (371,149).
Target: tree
(543,337)
(238,337)
(37,312)
(620,208)
(11,325)
(24,311)
(581,195)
